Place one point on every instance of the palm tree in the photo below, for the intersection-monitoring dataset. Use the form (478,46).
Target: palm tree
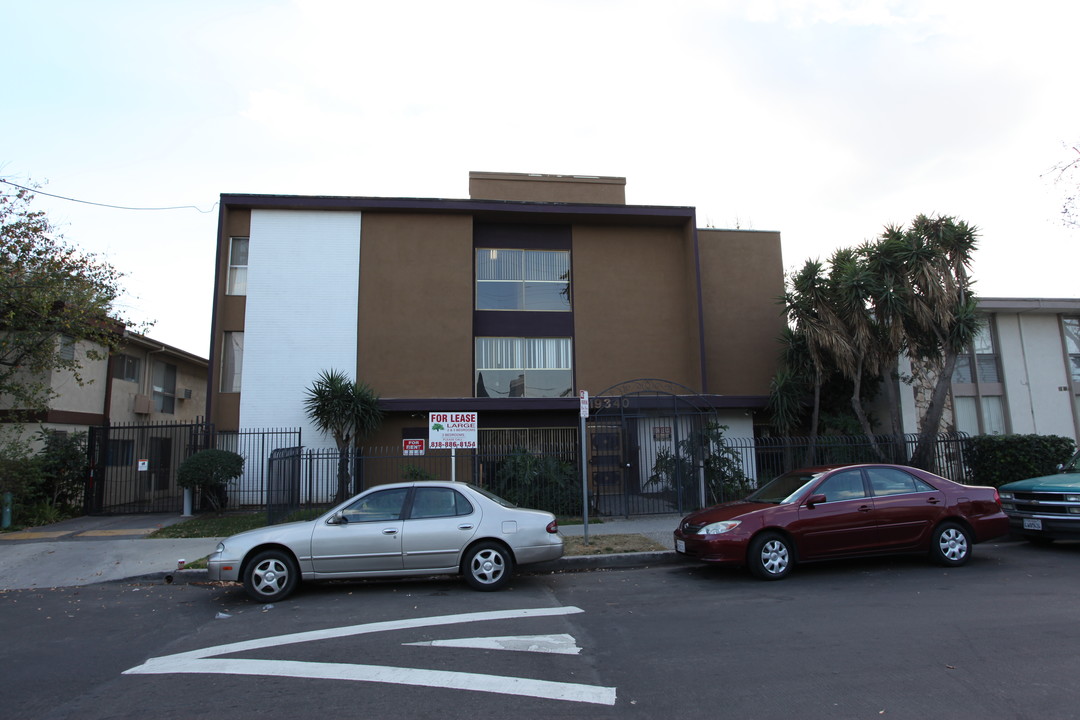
(346,410)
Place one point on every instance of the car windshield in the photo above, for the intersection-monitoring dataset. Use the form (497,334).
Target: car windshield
(783,489)
(1073,465)
(491,496)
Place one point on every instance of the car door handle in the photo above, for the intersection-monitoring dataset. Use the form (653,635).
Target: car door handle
(389,531)
(465,526)
(865,508)
(934,501)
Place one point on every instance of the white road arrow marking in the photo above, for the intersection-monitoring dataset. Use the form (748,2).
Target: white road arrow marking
(556,644)
(196,661)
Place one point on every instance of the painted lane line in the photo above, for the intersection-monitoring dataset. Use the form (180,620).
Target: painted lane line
(503,685)
(195,661)
(555,644)
(366,628)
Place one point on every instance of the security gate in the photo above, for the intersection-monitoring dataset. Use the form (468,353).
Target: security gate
(641,455)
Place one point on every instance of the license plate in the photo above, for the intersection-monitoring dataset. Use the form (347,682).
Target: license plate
(680,546)
(1032,524)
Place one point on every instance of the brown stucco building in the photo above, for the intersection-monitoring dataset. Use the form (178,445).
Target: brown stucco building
(508,304)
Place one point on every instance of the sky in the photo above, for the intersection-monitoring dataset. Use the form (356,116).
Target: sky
(825,120)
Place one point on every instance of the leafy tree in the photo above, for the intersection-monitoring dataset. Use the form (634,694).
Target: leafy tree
(211,471)
(907,292)
(51,295)
(345,409)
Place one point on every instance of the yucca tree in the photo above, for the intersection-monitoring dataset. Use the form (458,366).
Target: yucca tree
(943,316)
(345,409)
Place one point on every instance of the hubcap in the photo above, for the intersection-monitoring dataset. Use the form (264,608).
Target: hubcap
(488,566)
(270,576)
(774,557)
(953,544)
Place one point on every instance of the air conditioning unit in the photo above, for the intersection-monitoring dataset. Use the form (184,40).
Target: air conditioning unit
(184,394)
(142,405)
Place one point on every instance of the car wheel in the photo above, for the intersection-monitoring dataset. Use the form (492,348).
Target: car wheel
(487,566)
(771,556)
(270,576)
(950,545)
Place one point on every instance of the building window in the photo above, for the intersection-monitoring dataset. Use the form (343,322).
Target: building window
(978,394)
(165,387)
(126,367)
(1071,326)
(121,453)
(238,266)
(67,347)
(522,280)
(232,362)
(523,367)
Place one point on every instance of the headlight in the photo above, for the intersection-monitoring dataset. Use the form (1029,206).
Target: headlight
(1072,498)
(717,528)
(220,547)
(1008,506)
(1006,496)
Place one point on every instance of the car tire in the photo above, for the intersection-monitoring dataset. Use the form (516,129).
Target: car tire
(270,576)
(950,544)
(487,566)
(771,556)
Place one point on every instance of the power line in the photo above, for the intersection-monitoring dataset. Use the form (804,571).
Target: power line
(114,207)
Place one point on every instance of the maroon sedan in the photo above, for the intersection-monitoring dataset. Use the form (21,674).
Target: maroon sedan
(842,512)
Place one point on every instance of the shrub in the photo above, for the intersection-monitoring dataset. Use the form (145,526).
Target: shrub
(998,459)
(543,482)
(211,471)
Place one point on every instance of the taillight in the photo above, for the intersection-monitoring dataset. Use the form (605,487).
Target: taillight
(553,527)
(997,497)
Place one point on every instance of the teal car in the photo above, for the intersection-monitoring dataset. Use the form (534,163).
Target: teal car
(1045,508)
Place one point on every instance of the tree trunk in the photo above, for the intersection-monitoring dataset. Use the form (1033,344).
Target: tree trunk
(342,474)
(856,405)
(924,454)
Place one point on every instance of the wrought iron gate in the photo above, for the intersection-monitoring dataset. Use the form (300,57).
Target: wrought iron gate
(637,454)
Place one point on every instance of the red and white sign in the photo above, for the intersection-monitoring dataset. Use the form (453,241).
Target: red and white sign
(584,404)
(412,447)
(452,430)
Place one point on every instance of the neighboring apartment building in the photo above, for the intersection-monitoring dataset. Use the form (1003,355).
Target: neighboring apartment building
(508,304)
(1021,375)
(145,381)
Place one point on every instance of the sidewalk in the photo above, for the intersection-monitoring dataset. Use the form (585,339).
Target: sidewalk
(88,550)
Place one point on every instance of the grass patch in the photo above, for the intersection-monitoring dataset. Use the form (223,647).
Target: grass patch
(202,526)
(610,544)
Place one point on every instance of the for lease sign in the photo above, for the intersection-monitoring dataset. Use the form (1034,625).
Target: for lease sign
(451,430)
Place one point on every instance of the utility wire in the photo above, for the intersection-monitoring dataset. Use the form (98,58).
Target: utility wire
(115,207)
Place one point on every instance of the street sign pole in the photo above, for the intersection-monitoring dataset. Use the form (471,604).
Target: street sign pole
(584,472)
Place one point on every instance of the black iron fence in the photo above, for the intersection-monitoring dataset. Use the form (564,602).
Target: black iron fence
(674,480)
(133,467)
(635,470)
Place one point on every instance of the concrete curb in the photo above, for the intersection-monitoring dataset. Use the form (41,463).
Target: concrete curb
(567,563)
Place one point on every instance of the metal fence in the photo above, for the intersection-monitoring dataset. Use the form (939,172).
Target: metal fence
(550,478)
(133,467)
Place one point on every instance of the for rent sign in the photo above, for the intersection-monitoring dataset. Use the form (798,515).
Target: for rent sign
(452,430)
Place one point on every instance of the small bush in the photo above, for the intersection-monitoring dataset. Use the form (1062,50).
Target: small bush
(998,459)
(211,471)
(542,482)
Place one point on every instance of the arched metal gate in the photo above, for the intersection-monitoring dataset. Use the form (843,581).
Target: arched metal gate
(640,454)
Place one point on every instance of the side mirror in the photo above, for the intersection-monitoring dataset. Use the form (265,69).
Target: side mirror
(338,518)
(814,500)
(1061,467)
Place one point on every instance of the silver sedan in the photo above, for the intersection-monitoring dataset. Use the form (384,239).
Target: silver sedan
(405,529)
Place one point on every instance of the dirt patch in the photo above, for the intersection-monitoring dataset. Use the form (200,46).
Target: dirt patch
(610,544)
